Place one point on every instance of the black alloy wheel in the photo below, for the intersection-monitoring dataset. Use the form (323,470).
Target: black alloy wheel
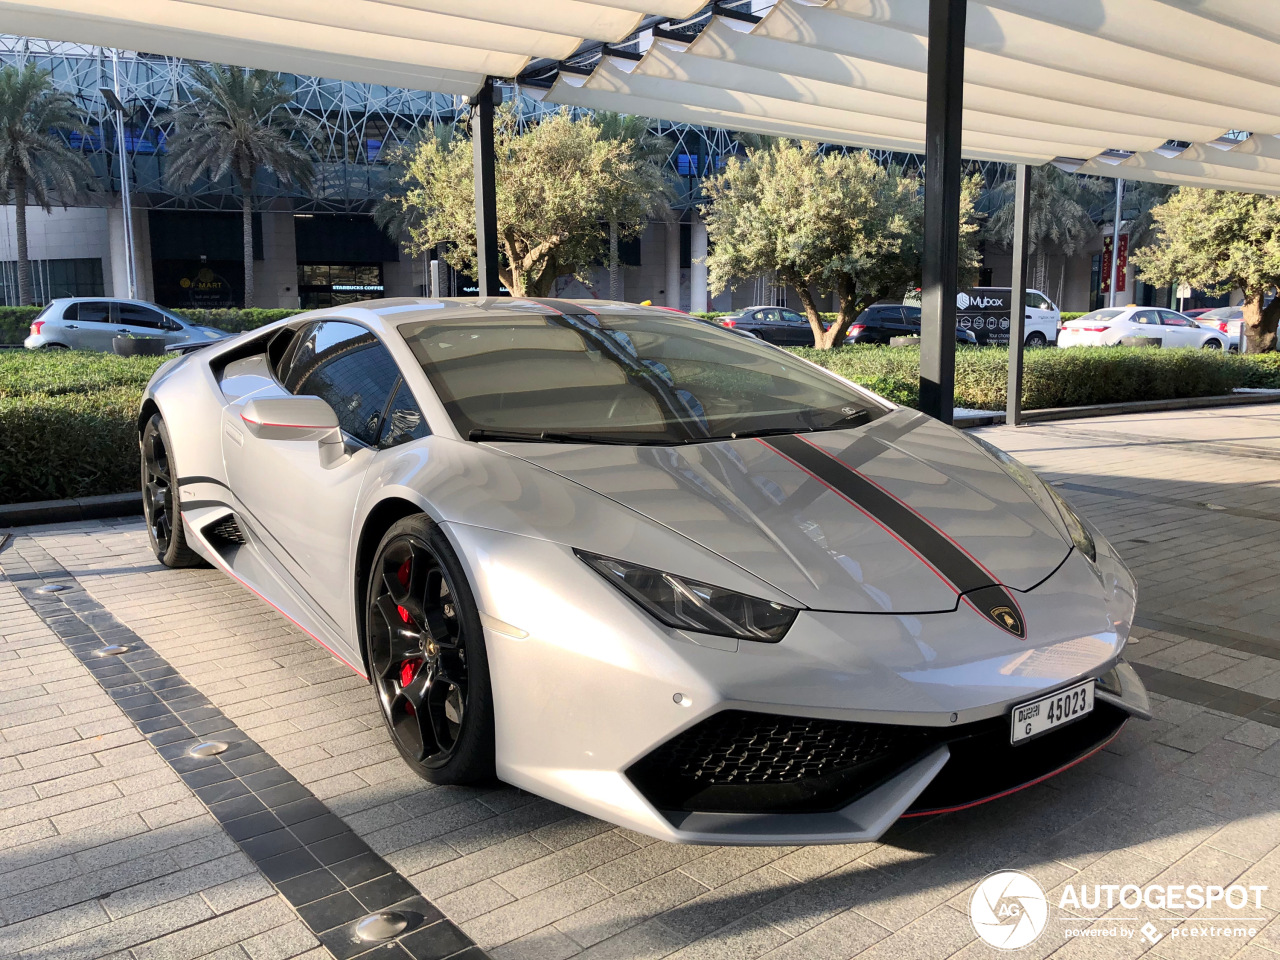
(160,504)
(426,656)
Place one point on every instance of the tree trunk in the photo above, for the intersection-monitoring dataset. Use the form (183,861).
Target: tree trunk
(20,228)
(836,333)
(614,292)
(1038,273)
(810,309)
(247,227)
(1062,279)
(1260,323)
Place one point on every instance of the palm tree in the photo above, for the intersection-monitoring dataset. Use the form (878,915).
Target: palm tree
(652,182)
(35,162)
(236,123)
(1058,218)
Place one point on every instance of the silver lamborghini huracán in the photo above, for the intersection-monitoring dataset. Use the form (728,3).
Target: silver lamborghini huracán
(645,567)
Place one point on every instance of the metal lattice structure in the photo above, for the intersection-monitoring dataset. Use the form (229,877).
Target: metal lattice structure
(359,126)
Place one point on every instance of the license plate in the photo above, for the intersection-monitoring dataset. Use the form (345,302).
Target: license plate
(1048,713)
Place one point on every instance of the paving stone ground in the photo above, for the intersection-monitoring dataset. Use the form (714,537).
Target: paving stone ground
(105,852)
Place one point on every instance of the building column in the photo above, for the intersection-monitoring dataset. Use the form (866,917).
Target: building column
(698,266)
(1018,295)
(673,264)
(275,276)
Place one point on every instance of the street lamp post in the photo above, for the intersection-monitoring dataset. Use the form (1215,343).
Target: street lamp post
(112,97)
(1115,241)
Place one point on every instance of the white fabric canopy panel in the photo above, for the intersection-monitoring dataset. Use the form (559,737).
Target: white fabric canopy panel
(1099,85)
(1043,80)
(445,46)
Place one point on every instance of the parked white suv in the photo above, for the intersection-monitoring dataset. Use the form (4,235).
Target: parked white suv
(91,323)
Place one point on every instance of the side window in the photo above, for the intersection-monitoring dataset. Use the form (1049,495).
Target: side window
(1145,316)
(792,317)
(72,312)
(911,314)
(1171,319)
(403,420)
(95,311)
(1035,301)
(136,316)
(347,367)
(767,316)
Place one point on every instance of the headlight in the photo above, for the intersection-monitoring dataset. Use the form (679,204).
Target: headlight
(692,605)
(1081,539)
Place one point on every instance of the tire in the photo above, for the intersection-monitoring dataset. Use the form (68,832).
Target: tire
(55,346)
(160,498)
(427,657)
(1212,344)
(1036,340)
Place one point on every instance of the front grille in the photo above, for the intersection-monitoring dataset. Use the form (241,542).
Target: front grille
(740,747)
(738,761)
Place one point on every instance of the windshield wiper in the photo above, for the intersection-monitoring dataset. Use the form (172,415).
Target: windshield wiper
(545,436)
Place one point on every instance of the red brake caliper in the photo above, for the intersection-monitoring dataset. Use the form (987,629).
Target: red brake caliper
(409,668)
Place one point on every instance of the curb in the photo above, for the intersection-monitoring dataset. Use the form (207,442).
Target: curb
(64,511)
(1030,417)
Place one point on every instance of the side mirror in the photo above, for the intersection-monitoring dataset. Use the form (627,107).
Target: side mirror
(290,418)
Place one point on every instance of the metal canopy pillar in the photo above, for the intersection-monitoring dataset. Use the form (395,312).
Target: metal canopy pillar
(941,262)
(1018,295)
(482,108)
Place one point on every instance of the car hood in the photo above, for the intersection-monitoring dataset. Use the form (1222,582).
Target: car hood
(868,520)
(214,332)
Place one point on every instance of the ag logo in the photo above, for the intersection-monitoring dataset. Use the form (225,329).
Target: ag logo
(962,300)
(966,322)
(1008,910)
(1006,617)
(1004,323)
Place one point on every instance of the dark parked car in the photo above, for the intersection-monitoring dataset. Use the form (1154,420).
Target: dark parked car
(882,321)
(773,324)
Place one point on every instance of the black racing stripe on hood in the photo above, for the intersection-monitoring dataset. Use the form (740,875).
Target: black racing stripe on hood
(976,586)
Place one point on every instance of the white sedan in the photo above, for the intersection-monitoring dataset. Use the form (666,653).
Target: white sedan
(1108,327)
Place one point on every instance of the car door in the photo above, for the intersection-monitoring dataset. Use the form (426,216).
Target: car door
(1146,323)
(1178,330)
(768,326)
(1041,316)
(302,509)
(140,321)
(799,333)
(93,327)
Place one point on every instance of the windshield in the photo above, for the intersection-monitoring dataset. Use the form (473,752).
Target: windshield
(1222,313)
(623,379)
(1108,314)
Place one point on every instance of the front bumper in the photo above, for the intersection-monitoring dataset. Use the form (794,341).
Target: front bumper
(587,687)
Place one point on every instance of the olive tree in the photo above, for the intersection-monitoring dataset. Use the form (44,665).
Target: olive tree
(558,181)
(836,222)
(1218,241)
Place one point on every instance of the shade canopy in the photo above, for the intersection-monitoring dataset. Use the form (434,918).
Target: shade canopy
(1173,91)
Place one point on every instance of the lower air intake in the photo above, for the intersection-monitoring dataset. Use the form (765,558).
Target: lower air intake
(738,762)
(225,533)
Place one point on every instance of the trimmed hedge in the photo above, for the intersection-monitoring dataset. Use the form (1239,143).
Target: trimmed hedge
(68,419)
(1079,376)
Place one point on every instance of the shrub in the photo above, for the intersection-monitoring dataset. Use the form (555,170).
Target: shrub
(15,323)
(31,372)
(1079,376)
(68,445)
(235,321)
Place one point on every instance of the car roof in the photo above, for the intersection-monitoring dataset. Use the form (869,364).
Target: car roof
(395,312)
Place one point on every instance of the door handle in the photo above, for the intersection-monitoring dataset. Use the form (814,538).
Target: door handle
(72,326)
(122,329)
